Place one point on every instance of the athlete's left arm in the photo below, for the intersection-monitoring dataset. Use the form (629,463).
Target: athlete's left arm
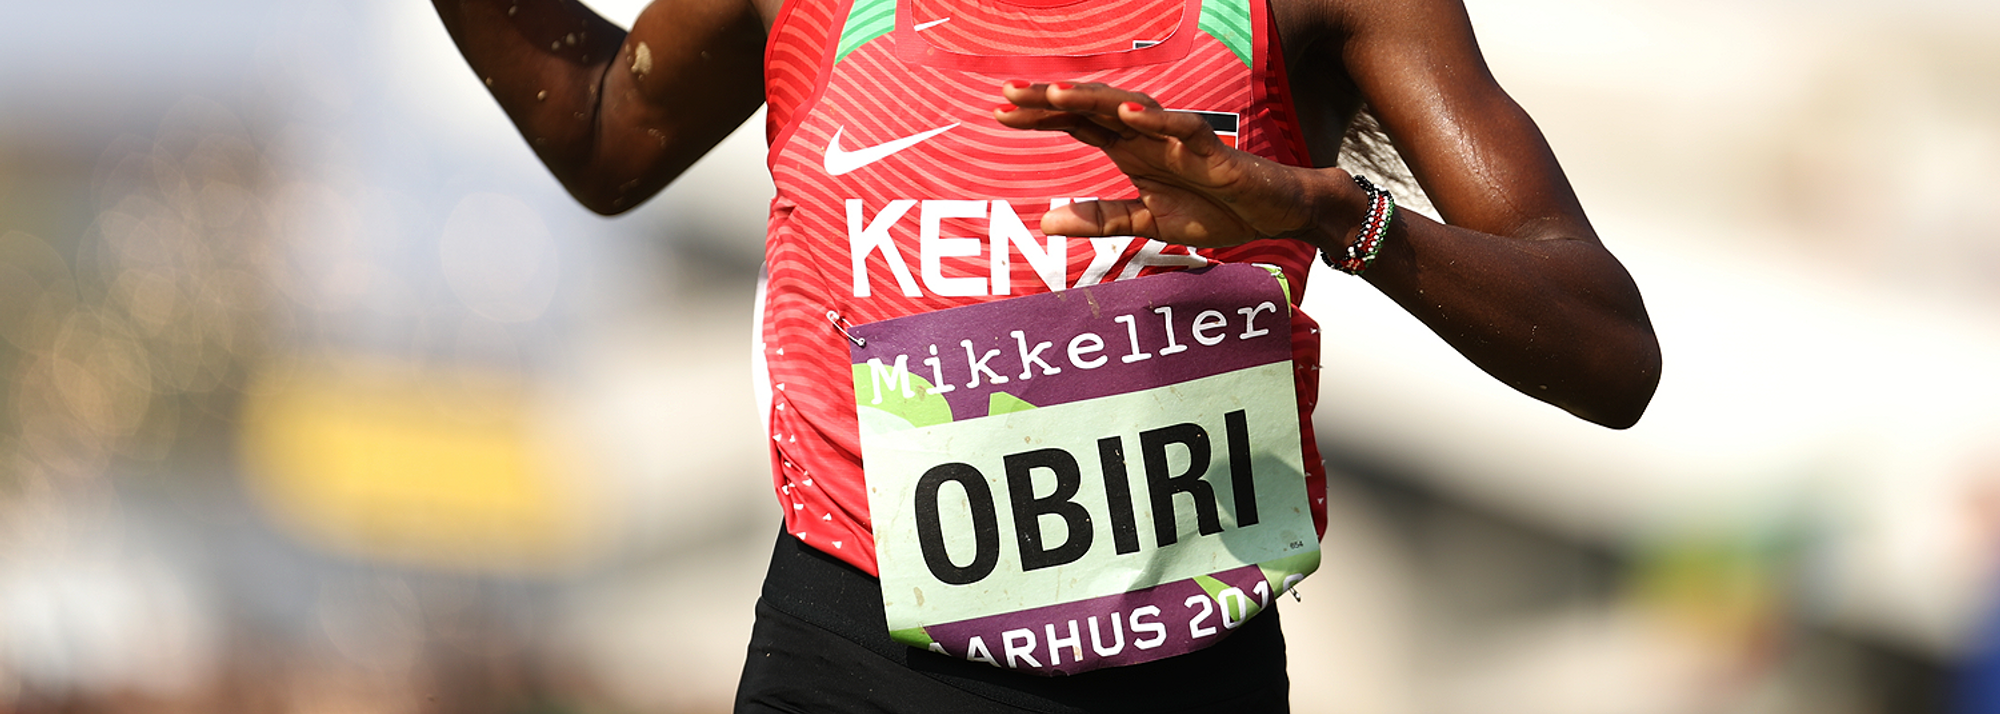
(1514,278)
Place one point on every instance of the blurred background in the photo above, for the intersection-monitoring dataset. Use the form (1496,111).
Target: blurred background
(321,396)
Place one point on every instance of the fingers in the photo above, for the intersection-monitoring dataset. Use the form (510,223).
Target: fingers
(1165,221)
(1189,128)
(1115,113)
(1035,107)
(1092,219)
(1099,99)
(1064,106)
(1088,98)
(1077,125)
(1190,183)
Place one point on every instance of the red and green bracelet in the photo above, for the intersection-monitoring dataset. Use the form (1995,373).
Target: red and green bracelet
(1361,253)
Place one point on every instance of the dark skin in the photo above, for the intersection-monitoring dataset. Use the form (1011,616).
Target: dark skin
(1513,277)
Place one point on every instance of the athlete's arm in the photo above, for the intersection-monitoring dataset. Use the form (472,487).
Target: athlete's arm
(616,116)
(1515,279)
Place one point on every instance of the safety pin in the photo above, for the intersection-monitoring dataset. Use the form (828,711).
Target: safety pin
(834,319)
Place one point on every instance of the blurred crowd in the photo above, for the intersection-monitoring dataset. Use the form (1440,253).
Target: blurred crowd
(318,395)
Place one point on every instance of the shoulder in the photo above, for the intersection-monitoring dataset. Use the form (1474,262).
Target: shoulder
(1328,25)
(1380,49)
(1304,23)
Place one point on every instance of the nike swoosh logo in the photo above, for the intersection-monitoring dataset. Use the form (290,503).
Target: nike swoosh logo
(928,25)
(839,161)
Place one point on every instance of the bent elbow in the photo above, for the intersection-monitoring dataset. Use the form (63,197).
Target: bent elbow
(605,188)
(604,208)
(1624,395)
(604,200)
(1621,416)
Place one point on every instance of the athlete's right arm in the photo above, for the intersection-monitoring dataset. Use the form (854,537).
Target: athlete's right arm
(616,116)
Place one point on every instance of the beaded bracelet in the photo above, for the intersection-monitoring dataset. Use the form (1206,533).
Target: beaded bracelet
(1361,253)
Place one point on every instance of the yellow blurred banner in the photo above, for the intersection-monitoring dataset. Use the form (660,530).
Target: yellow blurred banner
(434,468)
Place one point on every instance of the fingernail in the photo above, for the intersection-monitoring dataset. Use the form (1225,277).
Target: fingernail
(1004,108)
(1018,84)
(1134,107)
(1063,85)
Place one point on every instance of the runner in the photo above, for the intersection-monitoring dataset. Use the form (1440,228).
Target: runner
(1039,392)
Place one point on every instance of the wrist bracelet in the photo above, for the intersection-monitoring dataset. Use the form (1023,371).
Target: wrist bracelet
(1368,242)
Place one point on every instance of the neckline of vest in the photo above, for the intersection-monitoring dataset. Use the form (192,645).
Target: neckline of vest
(915,50)
(1041,4)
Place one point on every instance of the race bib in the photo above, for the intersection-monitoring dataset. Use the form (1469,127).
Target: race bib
(1097,477)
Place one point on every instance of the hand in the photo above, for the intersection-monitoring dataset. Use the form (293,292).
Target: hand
(1193,189)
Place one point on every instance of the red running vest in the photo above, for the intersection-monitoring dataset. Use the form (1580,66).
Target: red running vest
(897,192)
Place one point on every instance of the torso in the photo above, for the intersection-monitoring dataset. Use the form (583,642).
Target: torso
(927,222)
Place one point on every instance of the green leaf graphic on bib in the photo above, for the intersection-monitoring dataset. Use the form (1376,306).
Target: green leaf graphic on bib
(899,399)
(1215,589)
(1279,273)
(1004,403)
(1287,568)
(914,637)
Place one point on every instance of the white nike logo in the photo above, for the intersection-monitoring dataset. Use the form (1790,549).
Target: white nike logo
(928,25)
(839,161)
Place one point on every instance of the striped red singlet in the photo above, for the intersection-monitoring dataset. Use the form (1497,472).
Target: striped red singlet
(897,192)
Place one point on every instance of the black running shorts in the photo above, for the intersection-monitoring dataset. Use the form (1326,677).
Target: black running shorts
(821,646)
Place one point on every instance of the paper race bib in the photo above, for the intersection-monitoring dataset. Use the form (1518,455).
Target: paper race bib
(1098,477)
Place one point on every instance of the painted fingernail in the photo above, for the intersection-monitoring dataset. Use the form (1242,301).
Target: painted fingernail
(1134,107)
(1018,84)
(1063,85)
(1004,108)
